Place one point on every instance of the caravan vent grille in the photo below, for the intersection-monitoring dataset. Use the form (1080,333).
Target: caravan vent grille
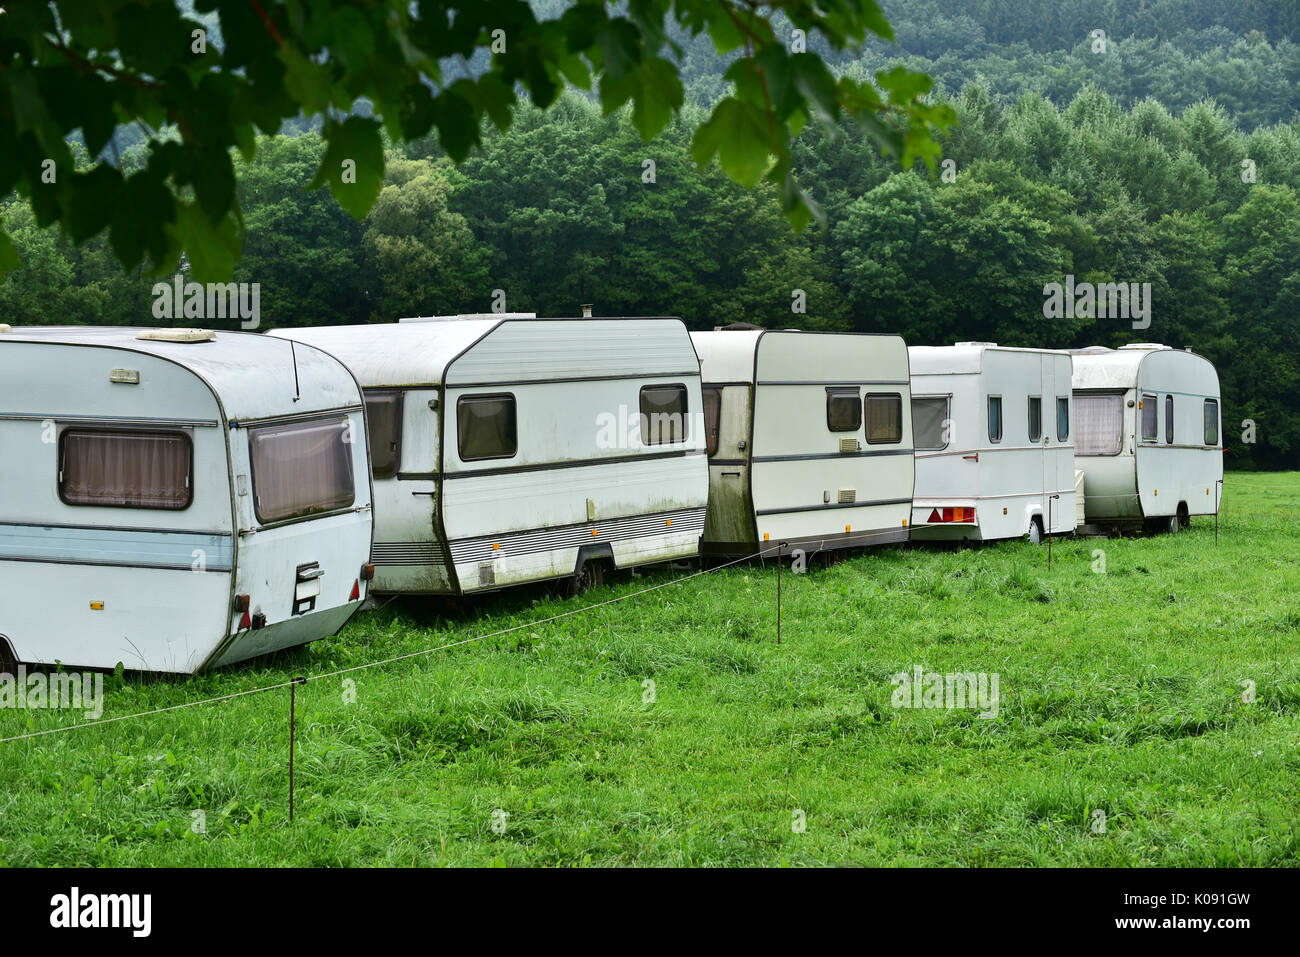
(848,445)
(848,495)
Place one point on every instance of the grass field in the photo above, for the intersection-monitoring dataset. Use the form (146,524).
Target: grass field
(1120,691)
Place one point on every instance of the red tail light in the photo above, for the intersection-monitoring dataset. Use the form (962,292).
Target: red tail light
(356,590)
(367,572)
(242,603)
(958,514)
(245,621)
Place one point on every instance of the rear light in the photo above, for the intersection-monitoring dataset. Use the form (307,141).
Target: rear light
(245,621)
(356,590)
(958,514)
(368,572)
(242,603)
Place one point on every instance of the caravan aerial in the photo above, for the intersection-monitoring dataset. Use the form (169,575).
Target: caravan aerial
(994,453)
(176,499)
(809,440)
(1148,436)
(510,449)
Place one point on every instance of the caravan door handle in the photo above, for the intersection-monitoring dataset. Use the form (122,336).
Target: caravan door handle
(972,458)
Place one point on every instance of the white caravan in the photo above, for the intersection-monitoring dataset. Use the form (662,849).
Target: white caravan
(809,440)
(176,499)
(994,454)
(1148,436)
(510,449)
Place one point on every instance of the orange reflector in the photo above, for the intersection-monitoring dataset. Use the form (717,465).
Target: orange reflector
(847,529)
(766,536)
(905,523)
(670,521)
(593,533)
(495,547)
(96,606)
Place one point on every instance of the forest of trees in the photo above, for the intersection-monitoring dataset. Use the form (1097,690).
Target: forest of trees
(1172,159)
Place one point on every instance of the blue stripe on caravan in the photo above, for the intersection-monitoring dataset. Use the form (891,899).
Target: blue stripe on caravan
(83,545)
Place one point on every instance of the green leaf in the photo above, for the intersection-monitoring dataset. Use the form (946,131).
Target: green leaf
(8,254)
(659,92)
(738,135)
(212,247)
(353,165)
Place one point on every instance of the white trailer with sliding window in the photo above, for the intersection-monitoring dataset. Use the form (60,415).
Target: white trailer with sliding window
(809,440)
(510,449)
(1147,436)
(176,499)
(994,455)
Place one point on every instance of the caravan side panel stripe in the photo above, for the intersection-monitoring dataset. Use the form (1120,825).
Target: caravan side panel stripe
(144,548)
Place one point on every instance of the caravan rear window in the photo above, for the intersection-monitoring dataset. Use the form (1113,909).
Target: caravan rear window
(384,420)
(1035,418)
(843,410)
(995,418)
(1211,422)
(301,468)
(1062,419)
(931,422)
(1098,424)
(884,418)
(486,427)
(122,469)
(663,414)
(1150,419)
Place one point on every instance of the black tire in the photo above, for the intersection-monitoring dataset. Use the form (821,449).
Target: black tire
(8,663)
(1184,518)
(590,575)
(1035,534)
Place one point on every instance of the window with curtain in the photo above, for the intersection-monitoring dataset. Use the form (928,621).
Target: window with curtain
(995,418)
(663,414)
(884,413)
(843,410)
(1150,419)
(301,468)
(1062,419)
(931,422)
(1212,422)
(712,417)
(486,427)
(124,469)
(1035,418)
(1099,424)
(384,421)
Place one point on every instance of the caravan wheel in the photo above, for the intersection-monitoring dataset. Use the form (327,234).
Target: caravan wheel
(1035,535)
(589,576)
(8,663)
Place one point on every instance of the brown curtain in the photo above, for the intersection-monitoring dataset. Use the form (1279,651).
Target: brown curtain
(132,469)
(884,418)
(301,468)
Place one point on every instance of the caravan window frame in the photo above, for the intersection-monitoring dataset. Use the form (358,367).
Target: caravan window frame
(1154,399)
(60,480)
(897,399)
(312,511)
(994,439)
(1169,419)
(840,394)
(1062,404)
(1208,405)
(1035,428)
(514,419)
(645,421)
(713,430)
(399,412)
(946,399)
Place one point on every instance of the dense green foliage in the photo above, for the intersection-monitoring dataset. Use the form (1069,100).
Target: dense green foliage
(1121,693)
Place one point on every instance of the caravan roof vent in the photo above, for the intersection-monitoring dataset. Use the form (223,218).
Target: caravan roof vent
(5,327)
(178,335)
(987,345)
(1144,345)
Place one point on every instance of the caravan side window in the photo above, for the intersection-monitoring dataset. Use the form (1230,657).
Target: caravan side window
(843,410)
(1169,420)
(1062,419)
(995,418)
(1212,422)
(122,469)
(301,468)
(1150,419)
(884,418)
(1035,418)
(712,416)
(384,419)
(1100,418)
(931,422)
(486,427)
(663,414)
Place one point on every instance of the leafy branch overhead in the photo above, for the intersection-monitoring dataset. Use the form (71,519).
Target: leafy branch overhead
(366,66)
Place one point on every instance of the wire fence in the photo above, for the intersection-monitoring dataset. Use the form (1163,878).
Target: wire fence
(280,685)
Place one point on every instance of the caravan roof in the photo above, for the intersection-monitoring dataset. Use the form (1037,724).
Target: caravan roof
(959,358)
(233,364)
(1097,367)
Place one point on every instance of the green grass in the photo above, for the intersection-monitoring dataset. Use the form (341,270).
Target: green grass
(1119,691)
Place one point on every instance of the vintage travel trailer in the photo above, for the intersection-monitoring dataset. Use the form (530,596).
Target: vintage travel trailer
(994,451)
(176,499)
(511,449)
(809,440)
(1148,436)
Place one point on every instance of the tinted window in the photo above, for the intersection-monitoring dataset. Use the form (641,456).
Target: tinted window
(485,427)
(663,414)
(384,421)
(843,410)
(301,468)
(712,415)
(1035,418)
(995,418)
(1062,419)
(884,418)
(1169,420)
(931,422)
(1150,419)
(1098,424)
(1211,422)
(126,469)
